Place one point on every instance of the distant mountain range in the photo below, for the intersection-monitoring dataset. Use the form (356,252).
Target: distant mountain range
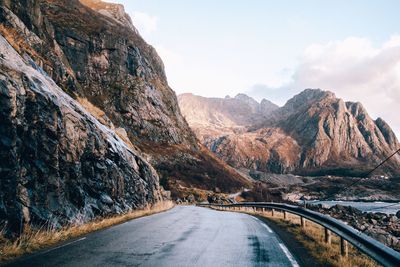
(313,133)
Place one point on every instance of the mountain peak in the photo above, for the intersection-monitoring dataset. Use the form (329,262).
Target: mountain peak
(315,94)
(315,132)
(113,11)
(239,111)
(307,97)
(245,98)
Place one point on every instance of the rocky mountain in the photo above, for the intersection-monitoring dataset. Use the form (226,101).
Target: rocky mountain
(218,116)
(313,133)
(57,161)
(87,113)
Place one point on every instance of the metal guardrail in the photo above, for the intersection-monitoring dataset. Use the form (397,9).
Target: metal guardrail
(371,247)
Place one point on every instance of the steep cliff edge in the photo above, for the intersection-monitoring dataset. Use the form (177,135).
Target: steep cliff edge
(57,162)
(94,53)
(313,133)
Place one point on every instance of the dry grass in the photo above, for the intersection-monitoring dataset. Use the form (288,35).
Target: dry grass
(312,238)
(92,109)
(18,42)
(32,240)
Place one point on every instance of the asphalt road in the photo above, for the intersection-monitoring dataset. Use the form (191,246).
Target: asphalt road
(183,236)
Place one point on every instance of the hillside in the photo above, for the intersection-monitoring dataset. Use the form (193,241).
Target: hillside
(314,133)
(96,117)
(209,117)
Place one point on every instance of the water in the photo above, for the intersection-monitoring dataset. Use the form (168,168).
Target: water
(384,207)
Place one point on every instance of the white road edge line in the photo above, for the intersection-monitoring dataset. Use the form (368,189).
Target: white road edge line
(289,255)
(283,247)
(70,243)
(264,225)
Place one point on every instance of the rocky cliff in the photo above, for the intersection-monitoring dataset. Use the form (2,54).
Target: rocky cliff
(313,133)
(116,88)
(210,117)
(238,111)
(57,162)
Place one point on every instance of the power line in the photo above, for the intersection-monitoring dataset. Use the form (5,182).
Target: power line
(397,151)
(359,179)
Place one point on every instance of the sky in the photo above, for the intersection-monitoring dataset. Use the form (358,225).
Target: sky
(275,49)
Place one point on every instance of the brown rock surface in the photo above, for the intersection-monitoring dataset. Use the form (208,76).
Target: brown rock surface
(314,133)
(58,163)
(222,115)
(92,51)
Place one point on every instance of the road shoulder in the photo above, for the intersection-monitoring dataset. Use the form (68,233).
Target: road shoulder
(302,255)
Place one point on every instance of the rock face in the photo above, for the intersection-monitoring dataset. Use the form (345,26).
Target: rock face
(313,133)
(211,117)
(103,59)
(92,51)
(118,117)
(383,227)
(241,110)
(57,162)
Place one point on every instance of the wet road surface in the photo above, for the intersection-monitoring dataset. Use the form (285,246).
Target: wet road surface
(182,236)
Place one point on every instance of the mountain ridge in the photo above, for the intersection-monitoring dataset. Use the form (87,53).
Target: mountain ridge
(313,133)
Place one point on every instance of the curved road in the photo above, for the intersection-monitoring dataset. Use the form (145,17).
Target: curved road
(183,236)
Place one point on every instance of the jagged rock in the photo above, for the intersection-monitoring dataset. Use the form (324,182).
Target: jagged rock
(313,133)
(223,114)
(373,221)
(383,227)
(57,158)
(93,52)
(191,198)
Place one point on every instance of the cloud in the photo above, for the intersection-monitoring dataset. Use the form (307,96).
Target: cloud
(145,23)
(355,70)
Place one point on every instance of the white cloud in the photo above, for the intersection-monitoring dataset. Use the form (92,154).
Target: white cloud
(355,70)
(145,23)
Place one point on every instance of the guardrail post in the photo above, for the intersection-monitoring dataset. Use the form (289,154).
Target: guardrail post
(344,248)
(284,215)
(328,236)
(273,211)
(302,222)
